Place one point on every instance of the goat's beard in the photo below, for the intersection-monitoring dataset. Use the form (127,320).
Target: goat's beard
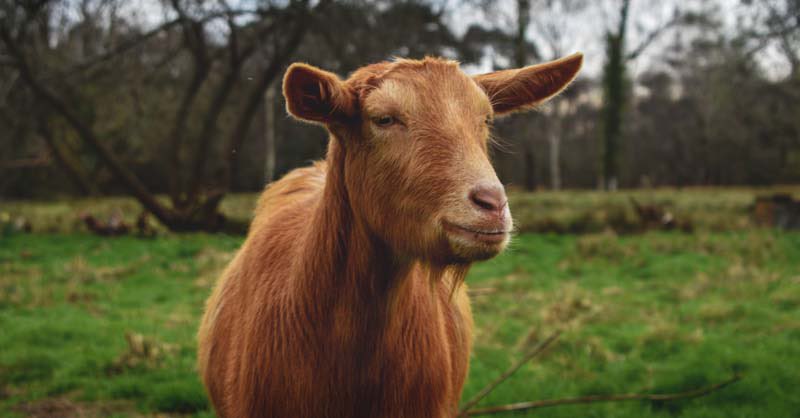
(468,252)
(454,251)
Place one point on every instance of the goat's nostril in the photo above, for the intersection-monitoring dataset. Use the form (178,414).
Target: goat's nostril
(488,198)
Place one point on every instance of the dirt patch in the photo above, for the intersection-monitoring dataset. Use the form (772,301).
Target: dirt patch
(142,352)
(65,408)
(79,271)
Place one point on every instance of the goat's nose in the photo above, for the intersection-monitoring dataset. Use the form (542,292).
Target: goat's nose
(489,198)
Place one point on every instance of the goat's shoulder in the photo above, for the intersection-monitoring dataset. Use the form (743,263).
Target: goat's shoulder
(295,187)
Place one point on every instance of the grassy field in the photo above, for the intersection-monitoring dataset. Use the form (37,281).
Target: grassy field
(91,326)
(706,209)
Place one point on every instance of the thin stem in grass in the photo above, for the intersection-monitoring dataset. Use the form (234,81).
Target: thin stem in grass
(539,348)
(524,406)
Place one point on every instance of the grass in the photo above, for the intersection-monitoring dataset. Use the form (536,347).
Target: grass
(705,209)
(105,327)
(68,301)
(656,312)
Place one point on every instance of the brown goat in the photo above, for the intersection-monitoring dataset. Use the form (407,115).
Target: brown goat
(346,299)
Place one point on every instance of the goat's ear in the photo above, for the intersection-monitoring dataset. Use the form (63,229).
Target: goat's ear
(317,96)
(523,88)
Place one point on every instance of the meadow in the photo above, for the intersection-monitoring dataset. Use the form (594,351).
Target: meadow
(96,327)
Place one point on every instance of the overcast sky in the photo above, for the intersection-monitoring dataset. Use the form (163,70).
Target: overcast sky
(583,31)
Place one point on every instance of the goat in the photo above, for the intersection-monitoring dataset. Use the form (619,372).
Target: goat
(347,297)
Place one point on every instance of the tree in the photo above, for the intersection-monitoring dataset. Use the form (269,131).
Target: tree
(520,60)
(773,23)
(269,132)
(616,87)
(54,75)
(543,30)
(614,94)
(554,25)
(509,49)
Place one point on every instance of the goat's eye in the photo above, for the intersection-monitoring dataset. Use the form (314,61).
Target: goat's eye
(384,121)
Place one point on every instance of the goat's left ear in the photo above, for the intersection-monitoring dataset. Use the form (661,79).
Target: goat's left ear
(523,88)
(316,95)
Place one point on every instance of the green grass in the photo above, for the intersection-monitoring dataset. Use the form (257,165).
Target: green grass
(68,301)
(105,327)
(656,312)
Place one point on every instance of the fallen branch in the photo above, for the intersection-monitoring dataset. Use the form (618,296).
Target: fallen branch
(523,406)
(465,410)
(480,291)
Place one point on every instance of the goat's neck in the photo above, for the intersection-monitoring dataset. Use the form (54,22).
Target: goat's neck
(343,263)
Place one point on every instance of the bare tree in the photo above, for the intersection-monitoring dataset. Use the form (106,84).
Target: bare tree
(773,23)
(552,28)
(276,29)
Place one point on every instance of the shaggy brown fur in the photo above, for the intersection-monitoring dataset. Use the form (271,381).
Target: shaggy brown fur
(346,299)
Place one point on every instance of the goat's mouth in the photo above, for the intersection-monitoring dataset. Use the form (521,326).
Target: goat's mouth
(476,234)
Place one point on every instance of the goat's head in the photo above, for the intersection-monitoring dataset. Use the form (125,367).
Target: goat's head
(414,138)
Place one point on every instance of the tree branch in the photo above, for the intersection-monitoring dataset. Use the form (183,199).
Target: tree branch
(652,36)
(127,177)
(783,33)
(123,47)
(221,95)
(64,158)
(194,39)
(524,406)
(535,351)
(242,125)
(129,44)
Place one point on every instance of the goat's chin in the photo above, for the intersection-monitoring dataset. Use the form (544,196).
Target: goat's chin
(475,243)
(467,252)
(466,248)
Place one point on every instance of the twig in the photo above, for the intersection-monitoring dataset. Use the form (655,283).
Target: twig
(652,36)
(523,406)
(480,291)
(464,412)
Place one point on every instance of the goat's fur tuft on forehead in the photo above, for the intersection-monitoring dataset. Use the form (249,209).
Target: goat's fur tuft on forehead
(433,83)
(429,66)
(426,70)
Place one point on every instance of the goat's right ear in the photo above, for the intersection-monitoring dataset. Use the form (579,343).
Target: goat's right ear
(317,96)
(523,88)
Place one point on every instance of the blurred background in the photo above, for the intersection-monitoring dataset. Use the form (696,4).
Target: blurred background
(655,199)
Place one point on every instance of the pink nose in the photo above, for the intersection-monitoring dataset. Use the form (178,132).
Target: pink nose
(489,198)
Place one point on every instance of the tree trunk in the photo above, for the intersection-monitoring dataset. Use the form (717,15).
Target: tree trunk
(269,133)
(555,133)
(614,98)
(67,161)
(523,20)
(555,160)
(530,169)
(242,124)
(520,60)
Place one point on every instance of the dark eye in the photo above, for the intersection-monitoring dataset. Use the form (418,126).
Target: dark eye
(384,121)
(488,120)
